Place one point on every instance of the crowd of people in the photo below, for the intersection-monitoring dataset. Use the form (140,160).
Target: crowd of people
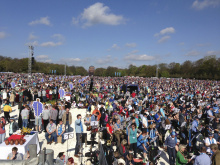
(139,116)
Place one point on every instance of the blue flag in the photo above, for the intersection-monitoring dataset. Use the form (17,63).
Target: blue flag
(61,92)
(12,84)
(38,108)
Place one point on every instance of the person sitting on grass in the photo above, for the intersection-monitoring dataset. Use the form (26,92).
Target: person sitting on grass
(51,131)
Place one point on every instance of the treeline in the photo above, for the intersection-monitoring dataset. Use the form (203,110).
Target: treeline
(16,65)
(205,68)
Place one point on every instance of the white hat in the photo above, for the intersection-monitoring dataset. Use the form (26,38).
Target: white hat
(121,161)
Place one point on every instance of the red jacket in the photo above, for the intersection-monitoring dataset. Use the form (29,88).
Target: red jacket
(2,127)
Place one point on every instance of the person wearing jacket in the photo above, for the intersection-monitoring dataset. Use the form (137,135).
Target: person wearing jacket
(67,119)
(13,127)
(170,144)
(7,109)
(180,159)
(2,130)
(216,156)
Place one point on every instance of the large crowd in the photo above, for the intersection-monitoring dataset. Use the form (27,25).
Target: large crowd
(138,116)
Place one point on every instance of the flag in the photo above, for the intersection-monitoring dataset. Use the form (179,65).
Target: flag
(38,108)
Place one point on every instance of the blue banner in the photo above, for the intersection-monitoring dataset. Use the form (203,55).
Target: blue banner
(38,108)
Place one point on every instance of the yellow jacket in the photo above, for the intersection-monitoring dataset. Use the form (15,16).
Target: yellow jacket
(7,108)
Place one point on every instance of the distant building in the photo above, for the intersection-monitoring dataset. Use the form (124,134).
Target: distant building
(91,70)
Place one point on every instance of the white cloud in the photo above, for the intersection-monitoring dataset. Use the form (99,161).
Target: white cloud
(59,37)
(192,53)
(2,35)
(32,36)
(107,59)
(203,44)
(133,57)
(115,46)
(201,4)
(167,30)
(213,52)
(98,14)
(42,20)
(73,61)
(164,39)
(43,58)
(34,43)
(131,45)
(51,44)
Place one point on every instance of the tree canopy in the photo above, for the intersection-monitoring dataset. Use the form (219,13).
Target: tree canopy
(205,68)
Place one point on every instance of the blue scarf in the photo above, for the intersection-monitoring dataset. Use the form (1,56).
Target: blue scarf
(81,126)
(60,130)
(152,133)
(118,125)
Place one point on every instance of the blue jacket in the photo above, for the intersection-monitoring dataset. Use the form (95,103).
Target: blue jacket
(140,141)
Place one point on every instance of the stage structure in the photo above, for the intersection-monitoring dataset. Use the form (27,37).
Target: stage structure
(91,70)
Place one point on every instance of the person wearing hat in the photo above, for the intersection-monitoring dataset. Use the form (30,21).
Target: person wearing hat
(13,127)
(60,159)
(203,158)
(170,144)
(180,159)
(208,141)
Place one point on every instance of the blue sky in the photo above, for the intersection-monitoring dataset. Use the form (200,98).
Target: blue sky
(110,32)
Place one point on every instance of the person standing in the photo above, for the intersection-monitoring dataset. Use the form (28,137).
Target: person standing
(2,130)
(132,138)
(53,114)
(12,98)
(44,97)
(67,119)
(13,127)
(46,117)
(7,109)
(79,131)
(170,143)
(216,156)
(25,116)
(203,158)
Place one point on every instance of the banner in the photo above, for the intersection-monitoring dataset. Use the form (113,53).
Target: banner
(13,84)
(38,107)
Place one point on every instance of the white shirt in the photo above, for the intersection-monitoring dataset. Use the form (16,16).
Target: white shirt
(209,142)
(144,122)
